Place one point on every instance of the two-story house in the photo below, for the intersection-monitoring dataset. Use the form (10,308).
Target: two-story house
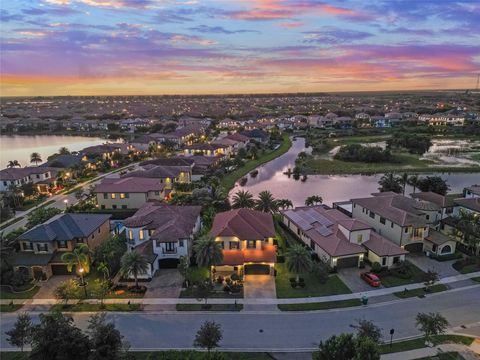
(128,193)
(163,233)
(246,237)
(41,248)
(340,241)
(165,174)
(43,177)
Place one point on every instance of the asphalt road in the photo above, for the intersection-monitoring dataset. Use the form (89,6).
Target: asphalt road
(280,331)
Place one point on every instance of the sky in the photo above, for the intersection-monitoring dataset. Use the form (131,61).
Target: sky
(142,47)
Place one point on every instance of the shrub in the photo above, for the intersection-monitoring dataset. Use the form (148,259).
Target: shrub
(19,279)
(235,277)
(376,267)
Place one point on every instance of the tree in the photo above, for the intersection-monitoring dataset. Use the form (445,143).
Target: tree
(366,349)
(35,158)
(298,260)
(41,215)
(104,269)
(21,333)
(102,289)
(313,200)
(431,324)
(208,252)
(66,290)
(243,199)
(134,263)
(80,258)
(413,181)
(430,278)
(13,164)
(284,204)
(208,336)
(266,202)
(105,339)
(64,151)
(57,338)
(434,184)
(183,265)
(390,182)
(336,347)
(467,228)
(202,291)
(79,194)
(110,252)
(404,179)
(368,329)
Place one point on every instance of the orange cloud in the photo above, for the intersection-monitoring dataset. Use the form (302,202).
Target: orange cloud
(291,25)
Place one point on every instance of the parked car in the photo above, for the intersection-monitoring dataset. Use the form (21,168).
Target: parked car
(371,279)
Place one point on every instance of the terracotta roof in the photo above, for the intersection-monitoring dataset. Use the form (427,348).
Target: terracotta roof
(474,189)
(238,137)
(205,146)
(383,247)
(437,199)
(246,224)
(437,237)
(20,173)
(239,257)
(469,203)
(159,171)
(129,185)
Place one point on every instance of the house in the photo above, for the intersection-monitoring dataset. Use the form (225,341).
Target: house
(339,240)
(41,248)
(180,136)
(64,161)
(246,237)
(199,164)
(450,118)
(471,191)
(104,151)
(205,149)
(163,233)
(128,192)
(43,177)
(446,203)
(165,174)
(403,220)
(257,135)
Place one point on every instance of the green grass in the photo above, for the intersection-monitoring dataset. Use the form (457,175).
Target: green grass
(213,307)
(5,293)
(320,306)
(389,279)
(420,343)
(451,355)
(421,291)
(477,279)
(11,222)
(470,268)
(228,182)
(333,286)
(10,308)
(96,307)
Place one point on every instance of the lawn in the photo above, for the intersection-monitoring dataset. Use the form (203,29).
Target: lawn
(313,287)
(391,279)
(445,356)
(213,307)
(5,293)
(320,306)
(420,343)
(96,307)
(9,308)
(470,268)
(421,291)
(466,266)
(229,180)
(477,279)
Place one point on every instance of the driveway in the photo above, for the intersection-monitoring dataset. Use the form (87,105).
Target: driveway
(257,287)
(48,287)
(351,278)
(167,283)
(443,268)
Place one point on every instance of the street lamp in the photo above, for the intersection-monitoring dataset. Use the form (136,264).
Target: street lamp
(81,270)
(65,202)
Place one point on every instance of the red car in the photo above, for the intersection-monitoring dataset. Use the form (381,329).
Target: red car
(371,279)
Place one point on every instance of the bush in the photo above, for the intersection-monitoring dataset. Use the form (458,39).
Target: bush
(369,154)
(235,277)
(137,290)
(19,279)
(446,257)
(280,259)
(376,267)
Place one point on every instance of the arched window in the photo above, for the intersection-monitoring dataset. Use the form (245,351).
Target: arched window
(447,249)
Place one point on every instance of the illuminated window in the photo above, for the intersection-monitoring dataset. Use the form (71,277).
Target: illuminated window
(359,238)
(140,234)
(130,234)
(122,196)
(113,196)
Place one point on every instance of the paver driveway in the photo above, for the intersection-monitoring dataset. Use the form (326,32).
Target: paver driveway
(443,268)
(167,283)
(351,278)
(257,287)
(48,287)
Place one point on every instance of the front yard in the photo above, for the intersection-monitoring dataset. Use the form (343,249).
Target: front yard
(468,265)
(398,277)
(6,293)
(313,287)
(420,292)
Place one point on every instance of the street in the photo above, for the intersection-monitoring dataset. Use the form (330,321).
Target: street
(282,331)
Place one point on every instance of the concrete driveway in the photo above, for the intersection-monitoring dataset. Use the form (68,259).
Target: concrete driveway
(443,268)
(257,287)
(351,278)
(48,287)
(167,283)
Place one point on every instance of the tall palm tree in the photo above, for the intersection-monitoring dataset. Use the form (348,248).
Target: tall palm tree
(313,200)
(413,181)
(284,204)
(14,191)
(390,182)
(404,179)
(35,158)
(266,202)
(298,260)
(63,151)
(219,199)
(243,199)
(80,258)
(208,252)
(134,263)
(13,163)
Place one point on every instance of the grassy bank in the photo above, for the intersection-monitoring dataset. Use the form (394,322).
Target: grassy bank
(212,307)
(320,306)
(421,291)
(229,180)
(420,343)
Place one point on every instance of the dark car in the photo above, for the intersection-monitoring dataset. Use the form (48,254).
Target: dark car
(371,279)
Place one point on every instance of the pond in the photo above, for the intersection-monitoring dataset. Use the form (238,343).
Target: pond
(331,187)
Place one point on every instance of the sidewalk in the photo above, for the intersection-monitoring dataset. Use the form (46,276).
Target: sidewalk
(465,351)
(262,301)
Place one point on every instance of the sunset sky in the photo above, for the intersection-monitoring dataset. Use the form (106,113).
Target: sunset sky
(82,47)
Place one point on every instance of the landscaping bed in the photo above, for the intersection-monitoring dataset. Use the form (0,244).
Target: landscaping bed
(96,307)
(209,307)
(468,265)
(410,274)
(420,343)
(421,292)
(451,355)
(320,306)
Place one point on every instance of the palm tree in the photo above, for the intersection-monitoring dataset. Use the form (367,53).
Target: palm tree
(208,252)
(266,202)
(104,269)
(219,200)
(134,263)
(14,191)
(404,179)
(313,200)
(284,204)
(80,258)
(35,158)
(63,151)
(243,199)
(13,163)
(390,182)
(413,181)
(298,260)
(468,229)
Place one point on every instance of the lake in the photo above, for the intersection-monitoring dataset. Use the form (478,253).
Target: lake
(331,187)
(19,147)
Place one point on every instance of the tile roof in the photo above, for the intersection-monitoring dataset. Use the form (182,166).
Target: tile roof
(474,189)
(66,161)
(65,227)
(20,173)
(159,171)
(129,185)
(437,199)
(469,203)
(239,257)
(383,247)
(31,259)
(246,224)
(437,237)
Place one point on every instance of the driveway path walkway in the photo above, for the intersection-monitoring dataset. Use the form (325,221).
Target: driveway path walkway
(442,268)
(167,283)
(259,287)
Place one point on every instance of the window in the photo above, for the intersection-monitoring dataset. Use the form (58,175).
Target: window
(113,195)
(127,195)
(62,244)
(391,224)
(251,244)
(42,247)
(312,245)
(124,206)
(122,195)
(102,206)
(234,245)
(27,246)
(384,261)
(47,175)
(406,230)
(372,214)
(130,234)
(80,240)
(105,195)
(427,217)
(38,176)
(382,220)
(140,234)
(359,238)
(114,206)
(99,230)
(180,243)
(396,259)
(4,183)
(157,192)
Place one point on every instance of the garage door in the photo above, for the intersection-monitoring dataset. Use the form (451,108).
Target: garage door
(257,269)
(61,270)
(415,248)
(168,263)
(347,262)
